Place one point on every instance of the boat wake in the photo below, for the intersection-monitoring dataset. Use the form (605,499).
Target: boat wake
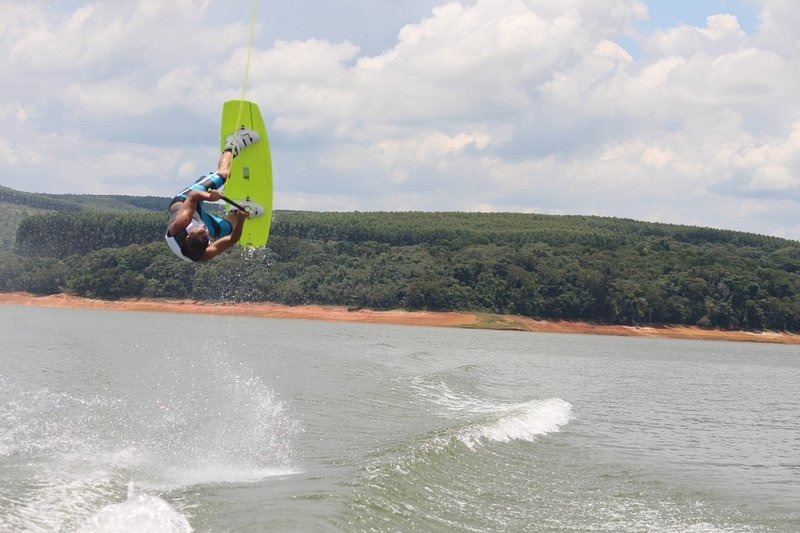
(493,421)
(140,512)
(71,458)
(436,480)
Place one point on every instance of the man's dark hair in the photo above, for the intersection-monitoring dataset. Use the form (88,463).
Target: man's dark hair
(194,246)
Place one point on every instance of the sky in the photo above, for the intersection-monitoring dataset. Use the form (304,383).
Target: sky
(676,111)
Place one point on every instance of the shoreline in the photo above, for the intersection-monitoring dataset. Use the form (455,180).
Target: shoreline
(399,317)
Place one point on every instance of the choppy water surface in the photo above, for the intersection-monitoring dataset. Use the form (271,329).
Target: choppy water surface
(123,421)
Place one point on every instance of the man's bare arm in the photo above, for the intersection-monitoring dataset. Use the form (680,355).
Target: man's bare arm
(223,243)
(189,206)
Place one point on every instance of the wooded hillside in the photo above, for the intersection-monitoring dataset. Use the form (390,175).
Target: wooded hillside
(556,267)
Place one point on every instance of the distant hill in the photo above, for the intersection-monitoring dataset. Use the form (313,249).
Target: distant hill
(601,269)
(80,202)
(16,205)
(399,228)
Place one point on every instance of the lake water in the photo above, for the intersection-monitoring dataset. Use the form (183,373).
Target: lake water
(126,421)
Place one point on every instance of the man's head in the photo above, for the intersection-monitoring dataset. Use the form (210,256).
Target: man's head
(196,243)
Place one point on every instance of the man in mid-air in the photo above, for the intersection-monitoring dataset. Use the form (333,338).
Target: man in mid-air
(192,233)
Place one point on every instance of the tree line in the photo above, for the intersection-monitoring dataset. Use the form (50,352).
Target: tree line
(599,269)
(80,202)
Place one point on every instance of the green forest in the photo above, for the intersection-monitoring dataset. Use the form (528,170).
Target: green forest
(597,269)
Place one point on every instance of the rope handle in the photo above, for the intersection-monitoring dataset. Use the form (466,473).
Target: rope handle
(234,204)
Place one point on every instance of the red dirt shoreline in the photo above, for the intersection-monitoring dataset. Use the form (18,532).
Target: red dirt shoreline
(412,318)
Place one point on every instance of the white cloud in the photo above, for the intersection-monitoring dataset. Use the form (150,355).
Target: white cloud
(427,149)
(721,33)
(779,27)
(770,167)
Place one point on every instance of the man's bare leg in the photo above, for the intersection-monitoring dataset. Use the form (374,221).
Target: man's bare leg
(224,164)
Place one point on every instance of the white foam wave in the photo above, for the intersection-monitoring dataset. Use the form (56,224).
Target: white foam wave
(231,427)
(219,474)
(523,422)
(70,453)
(140,513)
(500,421)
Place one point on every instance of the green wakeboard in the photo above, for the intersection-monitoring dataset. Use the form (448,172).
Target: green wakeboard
(250,180)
